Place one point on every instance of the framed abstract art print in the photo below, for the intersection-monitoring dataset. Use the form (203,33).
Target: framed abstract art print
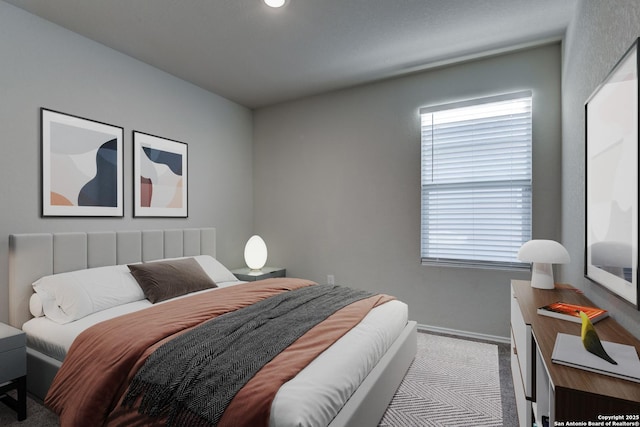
(611,236)
(82,172)
(159,177)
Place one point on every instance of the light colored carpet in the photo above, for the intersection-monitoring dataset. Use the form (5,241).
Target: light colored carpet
(447,378)
(452,382)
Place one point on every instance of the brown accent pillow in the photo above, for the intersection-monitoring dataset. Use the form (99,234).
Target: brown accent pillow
(162,280)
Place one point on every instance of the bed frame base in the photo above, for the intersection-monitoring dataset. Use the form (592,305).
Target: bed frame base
(41,370)
(364,408)
(369,402)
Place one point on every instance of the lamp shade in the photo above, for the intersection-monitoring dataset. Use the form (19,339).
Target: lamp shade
(275,3)
(548,251)
(255,253)
(543,253)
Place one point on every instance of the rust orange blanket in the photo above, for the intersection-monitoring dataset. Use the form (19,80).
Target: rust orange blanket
(102,360)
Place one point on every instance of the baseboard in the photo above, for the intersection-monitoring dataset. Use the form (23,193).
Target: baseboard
(464,334)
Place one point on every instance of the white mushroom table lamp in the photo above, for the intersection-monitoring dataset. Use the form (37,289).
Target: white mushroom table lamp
(543,253)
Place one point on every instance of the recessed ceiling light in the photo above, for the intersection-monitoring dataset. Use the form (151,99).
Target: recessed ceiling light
(275,3)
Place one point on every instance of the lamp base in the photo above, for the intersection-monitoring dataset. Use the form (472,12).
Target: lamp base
(542,276)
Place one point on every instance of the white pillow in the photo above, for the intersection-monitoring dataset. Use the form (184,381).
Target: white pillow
(70,296)
(35,306)
(214,268)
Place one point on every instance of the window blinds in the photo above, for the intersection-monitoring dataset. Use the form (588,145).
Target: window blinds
(476,181)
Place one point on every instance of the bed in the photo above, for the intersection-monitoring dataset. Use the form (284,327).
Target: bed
(33,256)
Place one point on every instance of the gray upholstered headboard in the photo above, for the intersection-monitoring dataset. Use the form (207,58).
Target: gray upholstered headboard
(32,256)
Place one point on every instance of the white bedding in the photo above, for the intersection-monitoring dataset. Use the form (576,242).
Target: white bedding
(320,390)
(54,339)
(312,398)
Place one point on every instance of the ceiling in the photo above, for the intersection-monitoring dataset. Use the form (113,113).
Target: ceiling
(258,56)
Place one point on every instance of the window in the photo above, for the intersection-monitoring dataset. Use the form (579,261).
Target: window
(476,181)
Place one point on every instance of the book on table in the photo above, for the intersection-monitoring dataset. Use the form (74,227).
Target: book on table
(571,312)
(570,351)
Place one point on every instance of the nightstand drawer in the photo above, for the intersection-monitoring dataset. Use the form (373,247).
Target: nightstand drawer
(13,364)
(11,338)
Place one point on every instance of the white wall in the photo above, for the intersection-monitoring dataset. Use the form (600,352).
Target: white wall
(337,186)
(44,65)
(598,36)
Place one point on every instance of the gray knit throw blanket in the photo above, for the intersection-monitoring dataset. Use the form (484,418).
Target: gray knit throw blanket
(193,378)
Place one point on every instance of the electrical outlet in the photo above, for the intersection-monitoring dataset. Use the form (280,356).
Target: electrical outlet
(331,279)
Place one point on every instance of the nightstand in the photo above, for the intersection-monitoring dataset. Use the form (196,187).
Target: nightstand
(13,368)
(265,273)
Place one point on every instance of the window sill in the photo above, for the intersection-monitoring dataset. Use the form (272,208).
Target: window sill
(483,265)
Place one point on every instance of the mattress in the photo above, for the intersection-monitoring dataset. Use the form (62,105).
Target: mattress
(312,398)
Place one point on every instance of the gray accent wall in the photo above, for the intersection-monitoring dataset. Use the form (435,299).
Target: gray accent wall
(337,186)
(599,34)
(44,65)
(332,182)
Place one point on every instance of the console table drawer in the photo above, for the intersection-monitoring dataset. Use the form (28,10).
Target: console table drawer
(523,405)
(522,346)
